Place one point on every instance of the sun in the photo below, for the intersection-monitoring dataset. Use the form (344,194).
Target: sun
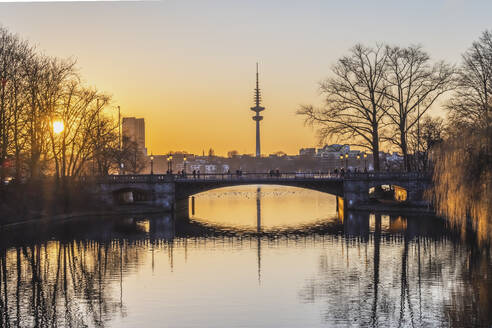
(58,127)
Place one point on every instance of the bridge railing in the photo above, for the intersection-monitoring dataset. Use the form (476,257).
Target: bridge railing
(387,175)
(135,178)
(156,178)
(254,176)
(259,176)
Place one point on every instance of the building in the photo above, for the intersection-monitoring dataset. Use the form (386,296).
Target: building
(308,152)
(332,151)
(134,130)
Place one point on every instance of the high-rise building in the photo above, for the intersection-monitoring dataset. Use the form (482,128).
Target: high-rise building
(257,109)
(134,130)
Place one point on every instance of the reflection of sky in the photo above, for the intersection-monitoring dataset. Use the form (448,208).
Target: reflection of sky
(280,206)
(145,276)
(304,283)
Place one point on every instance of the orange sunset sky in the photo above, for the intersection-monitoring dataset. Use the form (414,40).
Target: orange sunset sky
(188,67)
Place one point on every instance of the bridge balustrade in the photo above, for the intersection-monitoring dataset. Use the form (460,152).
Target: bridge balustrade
(257,176)
(387,175)
(156,178)
(254,176)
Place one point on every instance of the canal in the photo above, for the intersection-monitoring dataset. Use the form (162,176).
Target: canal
(248,256)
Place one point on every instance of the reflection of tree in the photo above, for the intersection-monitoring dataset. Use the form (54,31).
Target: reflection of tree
(377,246)
(63,283)
(471,303)
(372,276)
(403,282)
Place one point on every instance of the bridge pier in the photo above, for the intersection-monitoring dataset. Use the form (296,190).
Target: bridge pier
(355,192)
(144,190)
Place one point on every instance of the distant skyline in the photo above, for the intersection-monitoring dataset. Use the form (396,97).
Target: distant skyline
(188,67)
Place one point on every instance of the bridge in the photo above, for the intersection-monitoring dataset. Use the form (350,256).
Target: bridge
(165,190)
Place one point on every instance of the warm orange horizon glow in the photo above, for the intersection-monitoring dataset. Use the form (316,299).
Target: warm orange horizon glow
(188,68)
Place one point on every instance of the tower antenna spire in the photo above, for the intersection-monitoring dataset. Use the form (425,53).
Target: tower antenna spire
(257,90)
(257,109)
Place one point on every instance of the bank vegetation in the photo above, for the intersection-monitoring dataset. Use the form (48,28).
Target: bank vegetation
(54,130)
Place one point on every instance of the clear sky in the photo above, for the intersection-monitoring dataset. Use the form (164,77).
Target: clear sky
(188,67)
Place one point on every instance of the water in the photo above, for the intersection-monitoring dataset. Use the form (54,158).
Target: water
(250,256)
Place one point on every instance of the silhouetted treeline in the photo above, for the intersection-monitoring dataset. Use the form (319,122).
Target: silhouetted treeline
(463,162)
(51,123)
(381,95)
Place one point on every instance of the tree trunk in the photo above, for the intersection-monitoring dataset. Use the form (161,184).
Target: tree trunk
(404,150)
(375,149)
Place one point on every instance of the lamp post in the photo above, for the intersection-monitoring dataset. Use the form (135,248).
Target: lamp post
(346,161)
(184,164)
(365,162)
(122,166)
(358,163)
(151,164)
(170,163)
(341,161)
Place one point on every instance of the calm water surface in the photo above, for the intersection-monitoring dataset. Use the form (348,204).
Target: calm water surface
(250,256)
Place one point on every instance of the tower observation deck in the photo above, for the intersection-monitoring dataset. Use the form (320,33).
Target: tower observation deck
(257,109)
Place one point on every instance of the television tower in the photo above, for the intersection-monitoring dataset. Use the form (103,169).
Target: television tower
(257,109)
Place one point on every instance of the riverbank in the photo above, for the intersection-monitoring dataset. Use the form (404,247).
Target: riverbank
(396,208)
(44,218)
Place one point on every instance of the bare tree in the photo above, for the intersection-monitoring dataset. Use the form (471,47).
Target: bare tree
(431,134)
(87,132)
(37,122)
(413,85)
(355,104)
(472,102)
(132,156)
(35,91)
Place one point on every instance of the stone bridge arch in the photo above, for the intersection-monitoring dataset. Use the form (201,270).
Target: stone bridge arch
(187,188)
(356,185)
(130,194)
(164,190)
(156,192)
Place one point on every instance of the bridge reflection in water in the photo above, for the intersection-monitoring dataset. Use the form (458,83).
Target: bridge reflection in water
(372,270)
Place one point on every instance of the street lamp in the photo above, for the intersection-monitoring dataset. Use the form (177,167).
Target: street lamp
(358,158)
(184,164)
(341,161)
(170,163)
(151,164)
(346,161)
(122,166)
(365,162)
